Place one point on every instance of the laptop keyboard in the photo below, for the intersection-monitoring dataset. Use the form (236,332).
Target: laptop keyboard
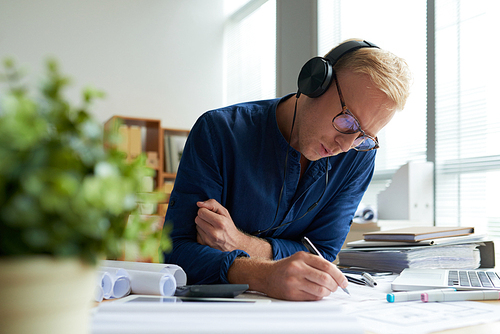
(473,278)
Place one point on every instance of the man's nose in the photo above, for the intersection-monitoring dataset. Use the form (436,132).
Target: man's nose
(346,141)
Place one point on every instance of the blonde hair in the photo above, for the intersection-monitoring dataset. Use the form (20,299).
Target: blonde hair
(388,72)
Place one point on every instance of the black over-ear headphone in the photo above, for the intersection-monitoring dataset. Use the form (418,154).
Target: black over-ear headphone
(316,75)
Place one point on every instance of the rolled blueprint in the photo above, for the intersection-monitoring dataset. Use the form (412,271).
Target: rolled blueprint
(178,273)
(105,281)
(152,283)
(98,293)
(121,281)
(175,270)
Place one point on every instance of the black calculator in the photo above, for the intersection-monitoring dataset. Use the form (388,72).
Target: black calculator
(211,290)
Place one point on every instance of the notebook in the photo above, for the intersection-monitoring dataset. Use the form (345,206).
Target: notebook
(421,279)
(417,233)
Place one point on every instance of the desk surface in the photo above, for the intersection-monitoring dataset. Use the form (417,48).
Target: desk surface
(367,307)
(488,328)
(339,297)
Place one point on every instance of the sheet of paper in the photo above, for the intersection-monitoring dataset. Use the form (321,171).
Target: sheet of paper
(219,317)
(370,307)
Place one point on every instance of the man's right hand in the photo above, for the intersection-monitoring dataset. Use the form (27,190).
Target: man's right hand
(302,276)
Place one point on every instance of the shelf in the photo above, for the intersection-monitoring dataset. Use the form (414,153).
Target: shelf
(144,136)
(166,145)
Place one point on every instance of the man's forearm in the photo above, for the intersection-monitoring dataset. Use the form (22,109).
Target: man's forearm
(251,271)
(257,247)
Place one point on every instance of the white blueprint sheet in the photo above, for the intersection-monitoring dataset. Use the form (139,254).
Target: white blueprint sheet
(370,307)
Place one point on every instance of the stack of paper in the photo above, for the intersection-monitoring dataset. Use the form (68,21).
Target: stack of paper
(395,259)
(413,248)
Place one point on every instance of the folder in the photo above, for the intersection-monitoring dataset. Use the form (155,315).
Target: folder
(417,233)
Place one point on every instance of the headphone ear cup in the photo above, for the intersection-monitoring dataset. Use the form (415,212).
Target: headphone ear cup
(315,77)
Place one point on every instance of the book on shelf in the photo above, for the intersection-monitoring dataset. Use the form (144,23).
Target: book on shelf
(166,155)
(134,141)
(177,143)
(123,143)
(417,233)
(173,146)
(131,141)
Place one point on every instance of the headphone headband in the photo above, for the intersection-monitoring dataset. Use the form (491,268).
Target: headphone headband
(346,47)
(316,75)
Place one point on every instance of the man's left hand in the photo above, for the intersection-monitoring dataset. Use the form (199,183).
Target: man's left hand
(215,228)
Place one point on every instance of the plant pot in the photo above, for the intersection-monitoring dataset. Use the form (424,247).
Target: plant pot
(41,294)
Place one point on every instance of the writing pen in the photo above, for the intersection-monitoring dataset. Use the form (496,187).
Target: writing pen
(310,247)
(451,296)
(360,271)
(369,279)
(366,278)
(355,280)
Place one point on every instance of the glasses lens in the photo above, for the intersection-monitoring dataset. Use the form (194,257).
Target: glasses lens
(345,123)
(363,143)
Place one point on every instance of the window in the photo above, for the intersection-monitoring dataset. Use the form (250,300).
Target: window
(249,51)
(381,22)
(467,115)
(467,108)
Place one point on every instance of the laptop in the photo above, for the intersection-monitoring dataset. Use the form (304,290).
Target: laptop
(421,279)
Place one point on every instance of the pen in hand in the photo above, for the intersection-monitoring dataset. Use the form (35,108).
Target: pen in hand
(310,247)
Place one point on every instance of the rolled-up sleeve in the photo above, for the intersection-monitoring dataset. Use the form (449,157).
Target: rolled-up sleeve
(198,179)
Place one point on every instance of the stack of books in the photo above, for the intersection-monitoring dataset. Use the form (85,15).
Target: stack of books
(419,248)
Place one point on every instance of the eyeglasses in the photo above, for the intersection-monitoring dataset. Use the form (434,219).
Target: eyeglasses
(345,122)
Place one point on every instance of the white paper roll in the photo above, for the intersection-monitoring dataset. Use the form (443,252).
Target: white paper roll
(121,281)
(178,273)
(105,280)
(168,285)
(152,283)
(121,287)
(99,293)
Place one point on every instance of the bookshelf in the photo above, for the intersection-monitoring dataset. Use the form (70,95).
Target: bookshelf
(162,146)
(142,135)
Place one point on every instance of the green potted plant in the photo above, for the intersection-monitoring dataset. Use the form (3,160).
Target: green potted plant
(65,203)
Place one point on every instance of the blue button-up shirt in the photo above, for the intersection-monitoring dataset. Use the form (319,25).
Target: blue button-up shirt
(236,155)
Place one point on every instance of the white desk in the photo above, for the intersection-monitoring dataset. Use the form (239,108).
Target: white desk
(363,295)
(364,311)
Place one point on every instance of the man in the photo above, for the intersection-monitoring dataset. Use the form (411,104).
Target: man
(256,177)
